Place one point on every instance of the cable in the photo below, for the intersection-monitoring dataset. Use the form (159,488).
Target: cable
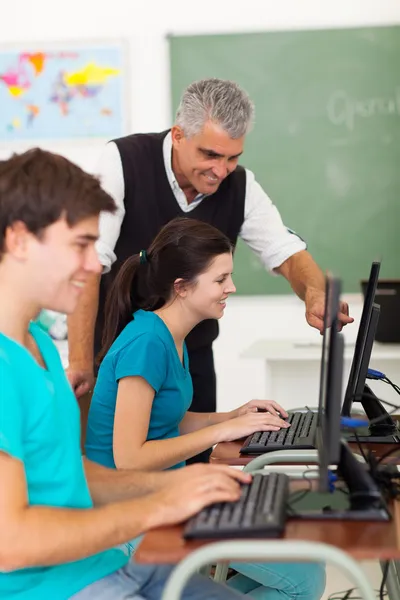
(361,449)
(381,417)
(394,385)
(367,395)
(347,594)
(300,494)
(382,594)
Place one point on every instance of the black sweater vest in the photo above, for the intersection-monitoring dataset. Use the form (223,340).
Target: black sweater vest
(150,204)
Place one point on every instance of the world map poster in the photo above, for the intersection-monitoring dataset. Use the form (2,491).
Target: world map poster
(62,93)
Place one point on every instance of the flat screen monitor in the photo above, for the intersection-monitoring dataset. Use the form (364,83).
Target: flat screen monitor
(330,392)
(361,340)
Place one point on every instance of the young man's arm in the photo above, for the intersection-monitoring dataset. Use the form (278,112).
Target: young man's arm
(81,326)
(43,535)
(112,485)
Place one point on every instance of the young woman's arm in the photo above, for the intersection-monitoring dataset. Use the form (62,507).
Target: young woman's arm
(131,424)
(193,421)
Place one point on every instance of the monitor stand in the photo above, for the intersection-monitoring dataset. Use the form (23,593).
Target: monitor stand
(384,432)
(359,499)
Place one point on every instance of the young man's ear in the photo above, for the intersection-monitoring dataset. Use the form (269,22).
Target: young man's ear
(180,288)
(16,240)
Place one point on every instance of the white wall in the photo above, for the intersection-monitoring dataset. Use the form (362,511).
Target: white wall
(145,25)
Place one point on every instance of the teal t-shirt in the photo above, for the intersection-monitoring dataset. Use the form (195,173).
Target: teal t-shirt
(144,348)
(40,426)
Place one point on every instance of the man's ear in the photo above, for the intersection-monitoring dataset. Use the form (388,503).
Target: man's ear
(16,240)
(180,288)
(177,136)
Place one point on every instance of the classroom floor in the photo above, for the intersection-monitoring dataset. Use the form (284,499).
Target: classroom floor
(337,582)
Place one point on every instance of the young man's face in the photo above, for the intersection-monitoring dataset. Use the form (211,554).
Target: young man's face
(60,262)
(205,159)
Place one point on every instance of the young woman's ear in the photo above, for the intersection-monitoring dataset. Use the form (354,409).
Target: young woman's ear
(180,288)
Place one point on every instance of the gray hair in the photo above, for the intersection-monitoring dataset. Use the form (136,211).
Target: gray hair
(218,100)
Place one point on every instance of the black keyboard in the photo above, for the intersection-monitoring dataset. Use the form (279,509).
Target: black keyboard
(300,435)
(259,513)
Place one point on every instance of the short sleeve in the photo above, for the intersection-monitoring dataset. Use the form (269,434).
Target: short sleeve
(146,357)
(11,412)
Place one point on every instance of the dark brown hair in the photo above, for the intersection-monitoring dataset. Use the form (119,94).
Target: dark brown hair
(183,249)
(38,187)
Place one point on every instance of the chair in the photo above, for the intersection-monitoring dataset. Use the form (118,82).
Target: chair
(275,550)
(266,550)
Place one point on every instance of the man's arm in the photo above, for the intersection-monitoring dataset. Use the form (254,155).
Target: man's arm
(303,274)
(82,323)
(282,252)
(308,282)
(81,326)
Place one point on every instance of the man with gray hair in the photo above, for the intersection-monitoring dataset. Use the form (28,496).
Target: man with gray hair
(191,169)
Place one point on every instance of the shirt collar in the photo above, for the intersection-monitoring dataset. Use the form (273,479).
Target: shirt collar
(167,153)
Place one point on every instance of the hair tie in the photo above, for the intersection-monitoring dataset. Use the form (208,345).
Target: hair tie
(143,257)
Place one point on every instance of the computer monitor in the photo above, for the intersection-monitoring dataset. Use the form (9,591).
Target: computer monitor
(388,296)
(366,355)
(362,500)
(383,431)
(359,349)
(330,389)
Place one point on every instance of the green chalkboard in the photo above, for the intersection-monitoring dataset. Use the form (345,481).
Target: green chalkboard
(326,141)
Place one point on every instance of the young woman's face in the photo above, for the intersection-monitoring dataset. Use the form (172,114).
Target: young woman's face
(207,298)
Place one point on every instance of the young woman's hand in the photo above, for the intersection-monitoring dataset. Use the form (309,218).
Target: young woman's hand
(254,406)
(245,425)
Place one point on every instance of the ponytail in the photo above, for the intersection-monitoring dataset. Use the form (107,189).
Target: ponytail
(118,306)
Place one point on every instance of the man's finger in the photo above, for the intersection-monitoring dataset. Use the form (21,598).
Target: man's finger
(344,318)
(315,321)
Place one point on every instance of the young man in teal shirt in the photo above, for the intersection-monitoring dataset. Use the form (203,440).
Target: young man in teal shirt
(61,516)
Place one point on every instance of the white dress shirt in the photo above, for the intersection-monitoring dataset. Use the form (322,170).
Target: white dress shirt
(262,229)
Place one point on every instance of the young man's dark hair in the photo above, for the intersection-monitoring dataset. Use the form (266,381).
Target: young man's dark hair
(38,187)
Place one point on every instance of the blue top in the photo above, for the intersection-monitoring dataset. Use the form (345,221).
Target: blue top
(147,349)
(40,426)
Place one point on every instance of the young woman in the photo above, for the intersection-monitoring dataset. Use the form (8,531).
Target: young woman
(139,415)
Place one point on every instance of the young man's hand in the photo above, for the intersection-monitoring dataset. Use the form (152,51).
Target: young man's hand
(192,488)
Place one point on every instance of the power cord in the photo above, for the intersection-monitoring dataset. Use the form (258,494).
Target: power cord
(386,476)
(347,594)
(300,494)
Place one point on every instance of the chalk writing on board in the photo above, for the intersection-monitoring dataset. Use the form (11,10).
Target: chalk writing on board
(344,110)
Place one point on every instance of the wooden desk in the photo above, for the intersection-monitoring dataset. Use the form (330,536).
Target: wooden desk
(228,453)
(362,540)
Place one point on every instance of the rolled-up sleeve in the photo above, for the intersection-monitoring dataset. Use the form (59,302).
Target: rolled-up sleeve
(110,172)
(263,229)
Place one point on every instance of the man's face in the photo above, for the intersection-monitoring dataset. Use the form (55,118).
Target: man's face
(204,160)
(60,262)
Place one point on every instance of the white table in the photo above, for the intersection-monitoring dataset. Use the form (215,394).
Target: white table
(292,369)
